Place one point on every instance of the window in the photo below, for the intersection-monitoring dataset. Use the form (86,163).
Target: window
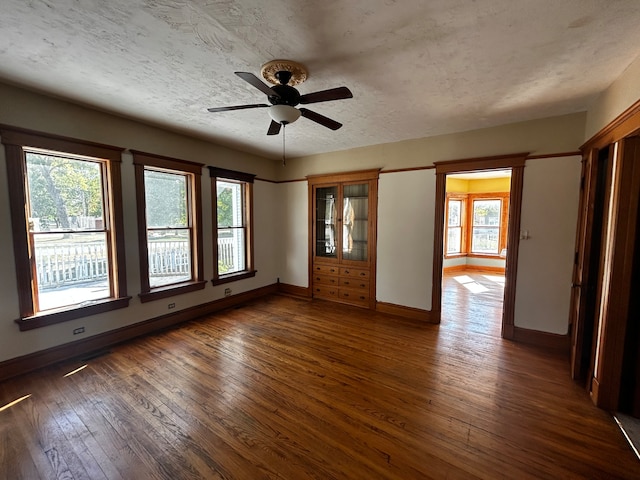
(169,233)
(486,216)
(68,243)
(233,239)
(455,212)
(485,236)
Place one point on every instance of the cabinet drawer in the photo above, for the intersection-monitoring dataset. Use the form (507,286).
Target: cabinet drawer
(325,291)
(356,297)
(325,279)
(356,283)
(326,269)
(354,272)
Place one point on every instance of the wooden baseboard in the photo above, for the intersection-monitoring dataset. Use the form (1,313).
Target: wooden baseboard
(473,268)
(406,312)
(454,268)
(547,340)
(26,363)
(294,290)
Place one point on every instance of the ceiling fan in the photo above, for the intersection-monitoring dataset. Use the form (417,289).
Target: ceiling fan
(283,96)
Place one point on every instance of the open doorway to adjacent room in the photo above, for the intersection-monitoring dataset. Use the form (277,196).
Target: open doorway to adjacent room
(509,247)
(475,249)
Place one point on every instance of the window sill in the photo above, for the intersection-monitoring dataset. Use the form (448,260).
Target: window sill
(455,255)
(234,277)
(59,316)
(171,290)
(496,256)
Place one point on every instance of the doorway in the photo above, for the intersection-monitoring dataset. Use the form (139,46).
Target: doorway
(514,163)
(475,248)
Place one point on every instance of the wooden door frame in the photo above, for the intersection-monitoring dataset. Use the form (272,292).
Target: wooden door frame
(584,274)
(514,162)
(604,383)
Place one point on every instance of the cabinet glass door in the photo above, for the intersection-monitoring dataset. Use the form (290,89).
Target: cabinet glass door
(326,222)
(355,222)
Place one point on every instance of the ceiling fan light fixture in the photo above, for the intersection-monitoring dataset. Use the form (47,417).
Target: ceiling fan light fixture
(284,114)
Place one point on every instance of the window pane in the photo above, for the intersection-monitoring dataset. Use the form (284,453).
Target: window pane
(455,207)
(64,193)
(230,204)
(453,239)
(71,268)
(231,250)
(355,225)
(485,239)
(486,212)
(169,253)
(166,199)
(326,222)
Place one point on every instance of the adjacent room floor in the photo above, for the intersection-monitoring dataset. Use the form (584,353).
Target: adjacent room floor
(473,300)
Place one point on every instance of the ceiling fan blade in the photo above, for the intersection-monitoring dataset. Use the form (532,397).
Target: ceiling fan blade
(237,107)
(321,119)
(256,82)
(339,93)
(274,128)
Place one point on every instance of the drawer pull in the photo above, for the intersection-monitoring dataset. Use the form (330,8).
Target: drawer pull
(346,283)
(363,285)
(346,271)
(362,274)
(362,298)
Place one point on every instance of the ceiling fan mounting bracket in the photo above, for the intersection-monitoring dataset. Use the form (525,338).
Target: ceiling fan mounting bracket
(298,72)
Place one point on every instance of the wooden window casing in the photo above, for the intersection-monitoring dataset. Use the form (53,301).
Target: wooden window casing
(193,172)
(17,142)
(246,181)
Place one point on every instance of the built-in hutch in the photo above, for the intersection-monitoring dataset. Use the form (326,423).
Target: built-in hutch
(343,211)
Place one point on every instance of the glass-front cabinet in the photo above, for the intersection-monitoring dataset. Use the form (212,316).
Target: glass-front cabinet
(343,226)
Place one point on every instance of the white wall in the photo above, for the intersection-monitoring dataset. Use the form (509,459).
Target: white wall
(620,95)
(550,198)
(293,236)
(28,110)
(405,238)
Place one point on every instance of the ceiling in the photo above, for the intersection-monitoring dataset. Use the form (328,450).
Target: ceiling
(416,68)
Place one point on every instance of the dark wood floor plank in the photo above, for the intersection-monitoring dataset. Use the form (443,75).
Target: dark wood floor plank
(294,389)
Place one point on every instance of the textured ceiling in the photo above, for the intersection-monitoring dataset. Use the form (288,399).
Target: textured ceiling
(416,68)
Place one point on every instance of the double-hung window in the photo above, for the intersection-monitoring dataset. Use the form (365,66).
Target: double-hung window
(169,232)
(455,222)
(233,229)
(485,236)
(476,224)
(66,211)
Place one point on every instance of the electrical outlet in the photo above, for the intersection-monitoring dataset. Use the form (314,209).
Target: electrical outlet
(78,330)
(227,292)
(171,305)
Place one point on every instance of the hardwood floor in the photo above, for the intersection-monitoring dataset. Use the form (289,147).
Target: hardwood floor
(473,301)
(293,389)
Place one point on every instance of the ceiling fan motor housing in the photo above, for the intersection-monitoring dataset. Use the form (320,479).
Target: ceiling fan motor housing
(285,95)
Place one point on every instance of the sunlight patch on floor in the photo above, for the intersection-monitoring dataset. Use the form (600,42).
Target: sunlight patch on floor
(462,279)
(15,402)
(495,278)
(470,284)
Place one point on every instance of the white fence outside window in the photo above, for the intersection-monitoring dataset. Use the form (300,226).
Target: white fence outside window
(72,264)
